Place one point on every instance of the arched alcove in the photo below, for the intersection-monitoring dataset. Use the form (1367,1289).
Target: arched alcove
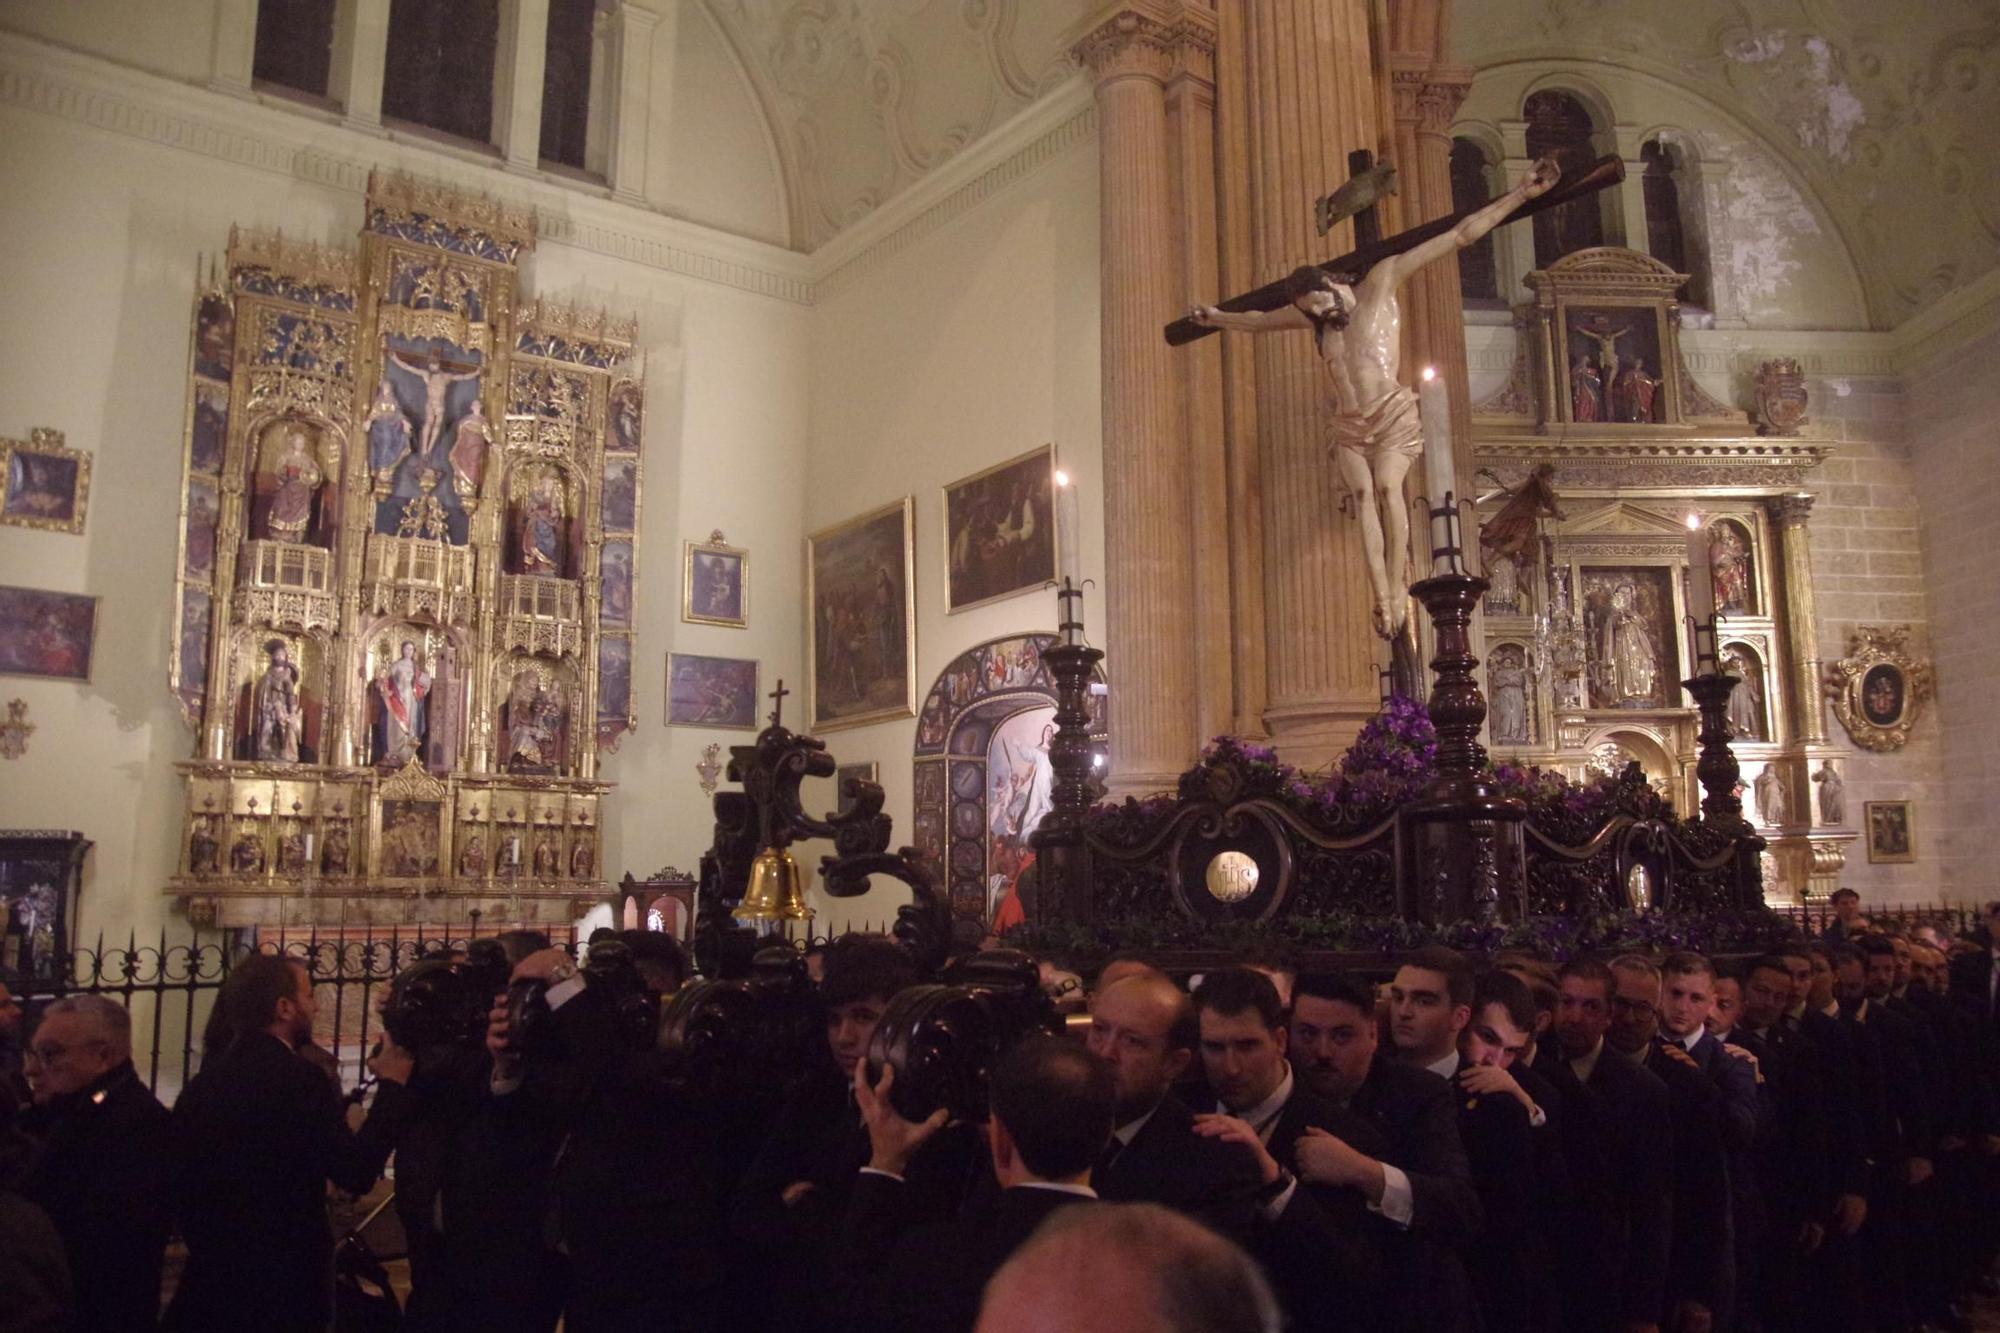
(1562,125)
(1471,186)
(982,778)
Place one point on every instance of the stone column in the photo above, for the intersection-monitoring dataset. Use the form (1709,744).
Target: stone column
(629,90)
(519,72)
(1426,100)
(235,49)
(360,54)
(1311,99)
(1151,636)
(1801,622)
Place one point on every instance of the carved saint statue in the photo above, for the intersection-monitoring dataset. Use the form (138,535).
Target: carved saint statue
(437,382)
(277,713)
(1746,701)
(333,856)
(409,844)
(1832,794)
(1516,529)
(388,430)
(468,449)
(534,725)
(1505,577)
(1729,563)
(472,858)
(202,850)
(1376,434)
(1636,390)
(1626,654)
(582,861)
(1773,805)
(298,477)
(547,857)
(246,857)
(403,686)
(1508,678)
(1586,390)
(540,531)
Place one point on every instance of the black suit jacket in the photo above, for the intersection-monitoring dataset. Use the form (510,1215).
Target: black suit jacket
(1792,1161)
(899,1275)
(1507,1263)
(1324,1241)
(1701,1257)
(1168,1163)
(103,1175)
(261,1133)
(1849,1104)
(1622,1150)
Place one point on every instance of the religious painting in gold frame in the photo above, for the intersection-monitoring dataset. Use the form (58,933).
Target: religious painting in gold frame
(47,484)
(861,631)
(715,583)
(1891,828)
(1632,651)
(411,825)
(1000,531)
(1878,690)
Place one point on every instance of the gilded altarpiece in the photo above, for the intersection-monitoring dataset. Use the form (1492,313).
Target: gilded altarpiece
(405,601)
(1586,633)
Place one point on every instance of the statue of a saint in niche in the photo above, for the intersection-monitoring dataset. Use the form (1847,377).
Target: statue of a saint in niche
(534,726)
(1586,390)
(1729,563)
(468,449)
(388,431)
(403,686)
(547,858)
(1376,433)
(472,858)
(1773,805)
(1832,794)
(581,861)
(1746,701)
(1626,654)
(247,856)
(298,476)
(278,714)
(540,530)
(437,382)
(333,856)
(202,850)
(1509,679)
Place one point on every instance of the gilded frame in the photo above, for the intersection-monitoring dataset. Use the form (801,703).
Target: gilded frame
(1878,659)
(1047,452)
(89,646)
(756,692)
(411,787)
(1892,840)
(905,509)
(47,443)
(715,545)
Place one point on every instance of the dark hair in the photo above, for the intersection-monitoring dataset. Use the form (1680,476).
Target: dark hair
(1058,1101)
(248,999)
(1309,278)
(861,966)
(1839,894)
(1837,954)
(1588,969)
(1238,990)
(656,952)
(518,944)
(1874,946)
(1793,950)
(1336,988)
(1510,993)
(1686,963)
(1771,962)
(1451,965)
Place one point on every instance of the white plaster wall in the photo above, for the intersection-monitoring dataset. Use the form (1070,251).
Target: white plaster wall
(975,344)
(710,158)
(171,37)
(104,232)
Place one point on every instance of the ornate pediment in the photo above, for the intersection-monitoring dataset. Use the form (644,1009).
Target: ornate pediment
(412,783)
(1625,519)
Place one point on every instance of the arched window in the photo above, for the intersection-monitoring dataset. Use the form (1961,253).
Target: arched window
(294,45)
(566,82)
(439,68)
(1668,222)
(1559,126)
(1478,278)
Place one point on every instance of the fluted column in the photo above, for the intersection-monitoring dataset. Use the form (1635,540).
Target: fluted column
(1311,99)
(1801,620)
(1151,641)
(1426,100)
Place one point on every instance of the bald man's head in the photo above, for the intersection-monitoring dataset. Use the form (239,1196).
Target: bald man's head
(1144,1027)
(1128,1268)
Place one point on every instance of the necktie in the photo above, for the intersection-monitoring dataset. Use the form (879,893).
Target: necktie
(1107,1159)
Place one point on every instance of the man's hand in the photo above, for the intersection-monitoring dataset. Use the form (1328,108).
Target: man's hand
(500,1039)
(1541,178)
(391,1063)
(1328,1160)
(1493,1081)
(1741,1054)
(1230,1129)
(1675,1051)
(892,1140)
(1203,315)
(795,1191)
(1920,1170)
(1850,1211)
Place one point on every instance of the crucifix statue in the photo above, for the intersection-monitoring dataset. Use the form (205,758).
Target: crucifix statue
(777,697)
(1356,325)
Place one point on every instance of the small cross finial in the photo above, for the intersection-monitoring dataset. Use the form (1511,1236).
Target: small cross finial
(778,701)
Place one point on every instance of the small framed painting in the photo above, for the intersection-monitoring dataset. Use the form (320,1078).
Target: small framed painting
(1892,832)
(47,484)
(50,634)
(715,583)
(711,692)
(1000,531)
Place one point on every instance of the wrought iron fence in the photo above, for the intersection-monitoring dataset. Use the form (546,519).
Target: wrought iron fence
(168,985)
(1951,919)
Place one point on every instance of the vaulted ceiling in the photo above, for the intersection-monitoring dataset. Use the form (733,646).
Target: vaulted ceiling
(1886,108)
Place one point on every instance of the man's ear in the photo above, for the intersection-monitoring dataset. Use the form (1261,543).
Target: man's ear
(1000,1143)
(1461,1017)
(1284,1038)
(1177,1063)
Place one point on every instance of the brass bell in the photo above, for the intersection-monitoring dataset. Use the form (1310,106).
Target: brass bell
(775,893)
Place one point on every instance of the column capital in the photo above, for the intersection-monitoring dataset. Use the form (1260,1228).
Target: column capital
(1429,96)
(1791,511)
(1156,41)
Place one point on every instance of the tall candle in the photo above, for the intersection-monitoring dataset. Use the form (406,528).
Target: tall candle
(1434,406)
(1069,530)
(1701,590)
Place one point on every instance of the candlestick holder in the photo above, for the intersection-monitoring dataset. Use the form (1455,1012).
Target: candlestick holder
(1448,554)
(1062,868)
(1465,858)
(1707,649)
(1069,613)
(1716,768)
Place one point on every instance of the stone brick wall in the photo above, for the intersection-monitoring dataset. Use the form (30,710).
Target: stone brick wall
(1950,424)
(1869,547)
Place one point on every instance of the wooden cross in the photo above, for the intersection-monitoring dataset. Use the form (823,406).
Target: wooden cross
(1604,173)
(778,699)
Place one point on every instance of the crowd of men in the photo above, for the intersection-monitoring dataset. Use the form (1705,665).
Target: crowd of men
(1808,1139)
